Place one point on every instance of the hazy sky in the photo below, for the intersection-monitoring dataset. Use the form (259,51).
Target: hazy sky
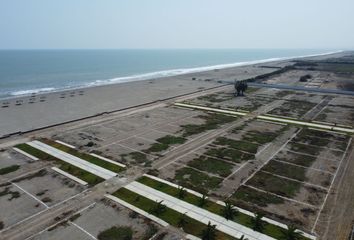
(177,24)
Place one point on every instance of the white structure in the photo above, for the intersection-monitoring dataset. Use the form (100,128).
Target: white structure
(138,210)
(75,161)
(229,227)
(270,118)
(251,214)
(78,180)
(108,160)
(65,144)
(26,154)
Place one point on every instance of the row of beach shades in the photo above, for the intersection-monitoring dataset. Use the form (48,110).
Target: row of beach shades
(33,99)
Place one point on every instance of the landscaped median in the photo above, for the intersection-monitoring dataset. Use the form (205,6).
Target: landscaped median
(180,220)
(84,156)
(240,217)
(73,169)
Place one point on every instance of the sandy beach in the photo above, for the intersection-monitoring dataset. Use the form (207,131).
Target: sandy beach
(39,111)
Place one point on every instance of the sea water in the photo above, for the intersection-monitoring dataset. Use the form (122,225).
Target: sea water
(23,72)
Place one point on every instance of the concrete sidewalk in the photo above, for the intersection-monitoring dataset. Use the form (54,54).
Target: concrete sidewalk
(229,227)
(75,161)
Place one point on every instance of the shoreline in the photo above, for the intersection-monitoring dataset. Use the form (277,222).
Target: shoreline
(157,75)
(31,113)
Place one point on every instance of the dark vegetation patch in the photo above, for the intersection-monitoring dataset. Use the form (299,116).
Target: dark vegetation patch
(273,184)
(305,78)
(266,76)
(229,154)
(260,137)
(196,180)
(298,159)
(212,165)
(215,98)
(116,233)
(9,169)
(321,142)
(137,157)
(303,148)
(212,121)
(248,195)
(7,191)
(290,108)
(286,170)
(164,143)
(237,144)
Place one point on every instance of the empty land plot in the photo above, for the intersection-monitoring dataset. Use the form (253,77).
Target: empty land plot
(196,180)
(162,144)
(212,165)
(227,100)
(125,155)
(293,109)
(237,144)
(287,188)
(258,132)
(97,219)
(209,122)
(49,187)
(283,210)
(303,174)
(307,161)
(228,154)
(315,151)
(337,114)
(321,142)
(10,157)
(16,205)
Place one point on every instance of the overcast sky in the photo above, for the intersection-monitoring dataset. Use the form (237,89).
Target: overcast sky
(176,24)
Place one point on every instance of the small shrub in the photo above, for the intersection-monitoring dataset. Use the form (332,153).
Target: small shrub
(116,233)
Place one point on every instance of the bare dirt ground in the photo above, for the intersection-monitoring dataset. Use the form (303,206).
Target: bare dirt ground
(293,175)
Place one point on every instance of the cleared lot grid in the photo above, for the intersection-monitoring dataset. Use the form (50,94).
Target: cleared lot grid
(294,184)
(229,170)
(26,196)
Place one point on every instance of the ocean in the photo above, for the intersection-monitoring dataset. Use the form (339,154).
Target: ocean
(23,72)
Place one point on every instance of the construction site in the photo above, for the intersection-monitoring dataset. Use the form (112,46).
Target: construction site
(260,166)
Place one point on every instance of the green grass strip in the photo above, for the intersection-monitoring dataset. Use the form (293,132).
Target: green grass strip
(9,169)
(169,215)
(84,156)
(241,218)
(88,177)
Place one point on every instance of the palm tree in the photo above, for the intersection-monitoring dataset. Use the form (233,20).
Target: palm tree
(181,192)
(209,233)
(258,224)
(291,233)
(202,200)
(229,211)
(158,208)
(243,238)
(182,220)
